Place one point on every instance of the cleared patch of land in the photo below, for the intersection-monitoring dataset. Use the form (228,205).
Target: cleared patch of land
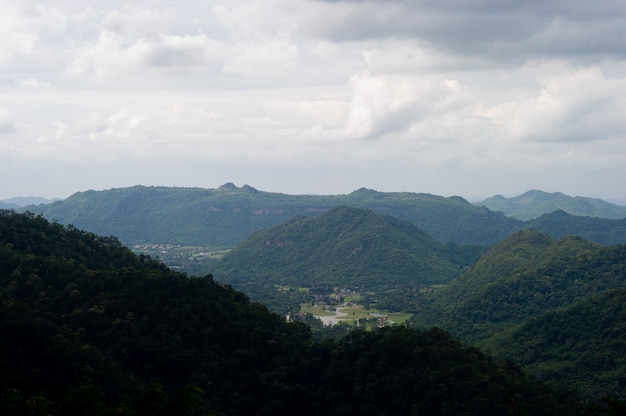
(350,314)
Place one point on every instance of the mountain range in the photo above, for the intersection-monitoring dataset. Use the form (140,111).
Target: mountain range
(18,202)
(226,216)
(499,287)
(533,204)
(501,299)
(88,327)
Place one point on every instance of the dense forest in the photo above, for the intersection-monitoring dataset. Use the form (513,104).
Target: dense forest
(545,303)
(90,328)
(347,247)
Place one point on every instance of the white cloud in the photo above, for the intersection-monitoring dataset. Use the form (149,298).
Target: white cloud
(574,105)
(135,22)
(113,55)
(33,83)
(7,124)
(274,58)
(21,25)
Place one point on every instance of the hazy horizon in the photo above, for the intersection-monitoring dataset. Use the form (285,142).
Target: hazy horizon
(18,200)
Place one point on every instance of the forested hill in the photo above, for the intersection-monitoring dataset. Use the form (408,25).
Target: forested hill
(86,327)
(517,298)
(559,224)
(524,276)
(226,216)
(345,246)
(581,346)
(533,204)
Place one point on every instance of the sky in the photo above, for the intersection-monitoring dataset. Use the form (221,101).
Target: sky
(449,97)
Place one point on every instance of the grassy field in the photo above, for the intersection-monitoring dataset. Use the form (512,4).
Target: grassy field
(356,312)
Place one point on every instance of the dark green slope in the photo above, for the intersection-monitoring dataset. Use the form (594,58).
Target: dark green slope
(525,276)
(86,327)
(344,247)
(557,306)
(226,216)
(533,204)
(560,224)
(582,345)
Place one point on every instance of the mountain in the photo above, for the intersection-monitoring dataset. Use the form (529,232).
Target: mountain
(345,246)
(6,205)
(559,224)
(533,204)
(581,345)
(23,201)
(523,299)
(524,276)
(87,327)
(226,216)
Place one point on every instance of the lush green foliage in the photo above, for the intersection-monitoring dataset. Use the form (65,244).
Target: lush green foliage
(527,280)
(343,247)
(386,258)
(226,216)
(89,328)
(534,204)
(560,224)
(581,346)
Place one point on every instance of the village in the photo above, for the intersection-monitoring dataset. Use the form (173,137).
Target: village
(341,306)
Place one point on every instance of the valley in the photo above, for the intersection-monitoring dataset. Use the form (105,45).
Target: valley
(399,260)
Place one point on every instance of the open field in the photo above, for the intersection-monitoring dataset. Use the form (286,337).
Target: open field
(349,314)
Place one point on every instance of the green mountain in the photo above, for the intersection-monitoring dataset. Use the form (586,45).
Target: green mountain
(533,204)
(517,299)
(582,345)
(8,205)
(87,327)
(345,246)
(226,216)
(559,224)
(524,276)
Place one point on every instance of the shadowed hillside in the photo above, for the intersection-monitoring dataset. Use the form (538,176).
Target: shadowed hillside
(89,328)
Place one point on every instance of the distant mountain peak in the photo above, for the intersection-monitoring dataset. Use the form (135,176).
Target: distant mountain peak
(535,203)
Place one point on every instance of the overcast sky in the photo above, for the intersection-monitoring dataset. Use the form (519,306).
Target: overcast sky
(464,97)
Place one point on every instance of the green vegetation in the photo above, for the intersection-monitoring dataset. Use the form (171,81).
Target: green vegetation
(523,299)
(226,216)
(356,313)
(87,327)
(380,256)
(560,224)
(581,346)
(534,204)
(191,260)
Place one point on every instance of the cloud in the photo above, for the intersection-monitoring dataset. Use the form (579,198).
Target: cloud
(7,124)
(138,22)
(573,105)
(112,55)
(274,58)
(490,29)
(21,24)
(419,106)
(32,83)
